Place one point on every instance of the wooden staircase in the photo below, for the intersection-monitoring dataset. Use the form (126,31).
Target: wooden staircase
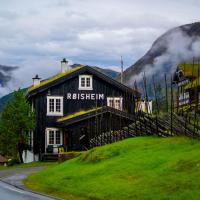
(49,157)
(145,124)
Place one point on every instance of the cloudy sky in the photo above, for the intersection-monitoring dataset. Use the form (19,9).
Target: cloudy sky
(36,35)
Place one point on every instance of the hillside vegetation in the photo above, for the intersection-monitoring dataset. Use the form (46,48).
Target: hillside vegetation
(136,168)
(5,99)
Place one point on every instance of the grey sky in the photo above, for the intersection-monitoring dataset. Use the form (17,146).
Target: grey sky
(35,35)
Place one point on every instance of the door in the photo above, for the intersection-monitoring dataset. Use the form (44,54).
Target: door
(54,139)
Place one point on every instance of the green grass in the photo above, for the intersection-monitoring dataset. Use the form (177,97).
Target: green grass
(137,168)
(28,165)
(54,78)
(190,69)
(79,113)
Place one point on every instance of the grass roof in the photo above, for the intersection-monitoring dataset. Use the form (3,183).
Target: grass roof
(190,69)
(192,84)
(54,78)
(79,113)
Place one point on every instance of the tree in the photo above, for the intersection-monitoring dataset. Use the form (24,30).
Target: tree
(16,120)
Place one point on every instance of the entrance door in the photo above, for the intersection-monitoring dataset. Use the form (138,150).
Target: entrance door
(54,139)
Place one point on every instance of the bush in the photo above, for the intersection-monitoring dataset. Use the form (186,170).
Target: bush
(13,161)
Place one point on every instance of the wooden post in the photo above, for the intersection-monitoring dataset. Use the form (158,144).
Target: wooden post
(157,111)
(166,93)
(171,106)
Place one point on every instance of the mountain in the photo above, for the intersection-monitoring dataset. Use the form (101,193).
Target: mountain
(5,99)
(173,47)
(109,72)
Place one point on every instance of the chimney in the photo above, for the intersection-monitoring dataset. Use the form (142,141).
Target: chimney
(65,65)
(36,80)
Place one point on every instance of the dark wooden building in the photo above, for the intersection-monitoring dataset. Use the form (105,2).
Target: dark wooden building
(187,79)
(76,104)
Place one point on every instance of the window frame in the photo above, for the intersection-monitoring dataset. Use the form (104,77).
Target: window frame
(184,98)
(54,130)
(54,113)
(114,99)
(85,82)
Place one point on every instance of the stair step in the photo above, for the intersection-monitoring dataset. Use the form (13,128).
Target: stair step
(50,157)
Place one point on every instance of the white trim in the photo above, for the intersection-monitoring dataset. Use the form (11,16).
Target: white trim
(30,138)
(114,101)
(85,87)
(61,106)
(184,98)
(47,138)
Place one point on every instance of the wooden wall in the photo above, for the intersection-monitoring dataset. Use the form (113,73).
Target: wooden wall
(71,106)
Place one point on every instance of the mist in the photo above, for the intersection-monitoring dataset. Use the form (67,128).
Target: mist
(6,78)
(176,46)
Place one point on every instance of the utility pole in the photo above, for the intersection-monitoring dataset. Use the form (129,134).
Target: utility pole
(122,69)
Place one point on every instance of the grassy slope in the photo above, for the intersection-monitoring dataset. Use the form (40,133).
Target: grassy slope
(28,165)
(137,168)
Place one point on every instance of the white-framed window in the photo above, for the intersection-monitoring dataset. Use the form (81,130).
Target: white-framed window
(184,98)
(85,82)
(54,106)
(54,137)
(115,102)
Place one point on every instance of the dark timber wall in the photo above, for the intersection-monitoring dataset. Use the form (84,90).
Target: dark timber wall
(70,106)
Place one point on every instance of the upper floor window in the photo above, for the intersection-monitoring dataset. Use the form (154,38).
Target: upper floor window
(54,106)
(85,82)
(115,102)
(184,98)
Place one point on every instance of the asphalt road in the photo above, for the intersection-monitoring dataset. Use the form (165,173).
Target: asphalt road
(9,192)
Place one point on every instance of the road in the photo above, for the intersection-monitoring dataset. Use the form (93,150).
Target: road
(9,192)
(12,187)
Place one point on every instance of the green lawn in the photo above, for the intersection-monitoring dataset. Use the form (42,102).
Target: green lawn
(28,165)
(137,168)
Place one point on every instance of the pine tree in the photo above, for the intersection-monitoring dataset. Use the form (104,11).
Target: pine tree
(16,120)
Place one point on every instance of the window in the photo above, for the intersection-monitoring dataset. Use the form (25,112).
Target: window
(184,98)
(51,137)
(54,106)
(58,137)
(54,136)
(115,102)
(85,82)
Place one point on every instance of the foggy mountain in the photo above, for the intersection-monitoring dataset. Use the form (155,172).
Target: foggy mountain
(173,47)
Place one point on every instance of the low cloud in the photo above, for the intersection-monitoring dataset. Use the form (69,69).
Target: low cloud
(178,47)
(36,35)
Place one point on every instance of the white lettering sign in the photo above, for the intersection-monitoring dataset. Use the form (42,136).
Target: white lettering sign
(82,96)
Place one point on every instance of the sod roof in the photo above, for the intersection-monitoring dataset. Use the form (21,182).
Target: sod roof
(76,114)
(54,78)
(62,77)
(190,69)
(192,84)
(91,113)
